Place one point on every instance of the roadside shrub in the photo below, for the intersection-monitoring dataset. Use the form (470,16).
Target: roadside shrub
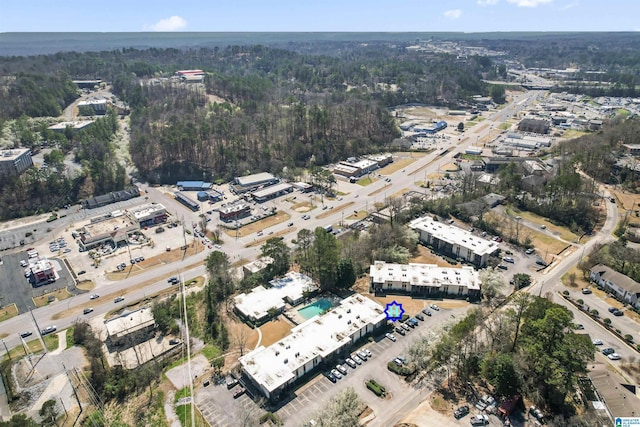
(376,388)
(565,293)
(607,321)
(595,312)
(580,302)
(628,338)
(270,416)
(399,370)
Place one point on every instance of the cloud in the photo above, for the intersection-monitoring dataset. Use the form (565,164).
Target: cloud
(570,5)
(453,13)
(529,3)
(172,23)
(487,2)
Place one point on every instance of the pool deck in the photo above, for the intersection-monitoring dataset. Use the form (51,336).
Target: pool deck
(292,314)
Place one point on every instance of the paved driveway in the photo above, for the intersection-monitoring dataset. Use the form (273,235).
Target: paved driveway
(310,397)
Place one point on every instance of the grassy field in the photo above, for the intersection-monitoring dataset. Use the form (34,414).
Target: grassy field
(367,180)
(184,412)
(573,133)
(254,227)
(358,215)
(49,297)
(397,165)
(7,312)
(34,346)
(504,126)
(562,232)
(167,257)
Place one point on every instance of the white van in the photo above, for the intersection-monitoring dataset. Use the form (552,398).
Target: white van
(33,254)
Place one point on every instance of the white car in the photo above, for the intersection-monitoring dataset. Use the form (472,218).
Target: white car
(597,342)
(390,336)
(367,352)
(614,356)
(434,307)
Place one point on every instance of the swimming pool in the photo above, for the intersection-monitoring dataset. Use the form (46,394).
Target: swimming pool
(315,308)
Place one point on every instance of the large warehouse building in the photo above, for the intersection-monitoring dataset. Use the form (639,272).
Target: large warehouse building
(272,369)
(424,279)
(453,241)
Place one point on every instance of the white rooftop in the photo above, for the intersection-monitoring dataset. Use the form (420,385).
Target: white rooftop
(146,210)
(272,189)
(14,153)
(320,336)
(74,125)
(129,322)
(424,274)
(454,235)
(256,304)
(256,178)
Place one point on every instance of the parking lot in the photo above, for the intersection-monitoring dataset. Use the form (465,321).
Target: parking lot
(16,288)
(221,409)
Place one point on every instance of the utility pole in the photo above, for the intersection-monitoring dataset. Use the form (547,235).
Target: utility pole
(5,347)
(73,387)
(44,345)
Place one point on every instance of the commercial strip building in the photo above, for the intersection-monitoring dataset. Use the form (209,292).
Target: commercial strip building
(130,328)
(99,106)
(272,192)
(113,229)
(424,279)
(234,211)
(113,197)
(242,184)
(149,215)
(453,241)
(256,305)
(354,167)
(193,185)
(320,339)
(15,162)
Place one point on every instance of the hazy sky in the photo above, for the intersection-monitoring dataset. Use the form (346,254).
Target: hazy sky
(322,15)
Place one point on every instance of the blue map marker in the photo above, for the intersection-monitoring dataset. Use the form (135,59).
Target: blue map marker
(394,311)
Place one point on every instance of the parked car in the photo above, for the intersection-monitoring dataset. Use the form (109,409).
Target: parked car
(597,342)
(48,330)
(480,420)
(23,263)
(461,411)
(399,330)
(427,312)
(174,341)
(405,326)
(80,273)
(509,259)
(434,307)
(363,355)
(541,262)
(614,356)
(87,310)
(390,336)
(331,377)
(529,251)
(336,374)
(397,361)
(25,334)
(350,362)
(608,351)
(367,352)
(420,317)
(586,291)
(239,392)
(356,359)
(502,267)
(341,369)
